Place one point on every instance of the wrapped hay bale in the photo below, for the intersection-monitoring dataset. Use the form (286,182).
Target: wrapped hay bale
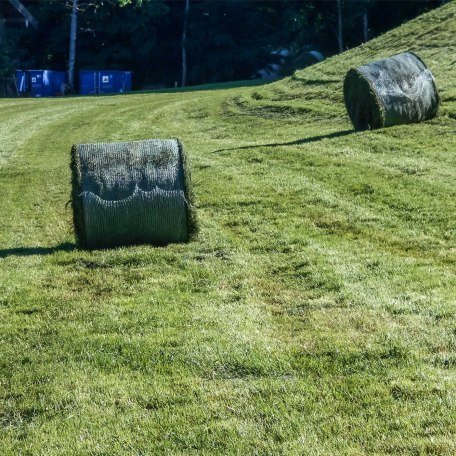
(131,193)
(393,91)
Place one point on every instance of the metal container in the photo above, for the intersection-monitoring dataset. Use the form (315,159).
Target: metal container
(88,82)
(111,81)
(46,83)
(92,82)
(22,82)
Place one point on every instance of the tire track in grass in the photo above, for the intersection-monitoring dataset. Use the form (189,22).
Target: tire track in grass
(17,129)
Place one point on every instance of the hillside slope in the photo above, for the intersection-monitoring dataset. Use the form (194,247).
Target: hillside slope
(314,314)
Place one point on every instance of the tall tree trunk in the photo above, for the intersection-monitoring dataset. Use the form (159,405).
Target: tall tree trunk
(340,30)
(365,22)
(73,34)
(184,44)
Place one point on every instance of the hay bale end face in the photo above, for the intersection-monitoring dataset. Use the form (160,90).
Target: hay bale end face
(393,91)
(135,192)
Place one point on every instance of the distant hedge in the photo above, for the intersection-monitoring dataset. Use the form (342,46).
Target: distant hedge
(131,193)
(392,91)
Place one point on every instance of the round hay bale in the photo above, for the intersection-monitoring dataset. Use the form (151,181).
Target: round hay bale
(131,193)
(393,91)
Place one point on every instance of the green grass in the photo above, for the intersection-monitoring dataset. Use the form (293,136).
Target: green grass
(314,314)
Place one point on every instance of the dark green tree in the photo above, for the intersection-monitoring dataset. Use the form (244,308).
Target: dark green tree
(225,39)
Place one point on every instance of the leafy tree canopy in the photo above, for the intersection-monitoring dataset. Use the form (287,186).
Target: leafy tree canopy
(226,40)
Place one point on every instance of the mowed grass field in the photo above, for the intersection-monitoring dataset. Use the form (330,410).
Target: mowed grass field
(315,312)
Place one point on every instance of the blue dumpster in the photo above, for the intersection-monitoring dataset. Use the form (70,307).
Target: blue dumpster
(107,81)
(115,81)
(57,82)
(88,82)
(22,82)
(46,83)
(36,83)
(127,81)
(93,82)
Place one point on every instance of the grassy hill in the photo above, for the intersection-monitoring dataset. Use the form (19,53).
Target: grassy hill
(314,314)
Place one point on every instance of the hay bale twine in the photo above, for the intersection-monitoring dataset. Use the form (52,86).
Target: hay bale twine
(393,91)
(131,193)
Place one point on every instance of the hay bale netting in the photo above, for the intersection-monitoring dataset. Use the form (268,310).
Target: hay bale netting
(393,91)
(131,193)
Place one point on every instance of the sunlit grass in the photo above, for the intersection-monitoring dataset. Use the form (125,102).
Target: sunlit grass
(314,314)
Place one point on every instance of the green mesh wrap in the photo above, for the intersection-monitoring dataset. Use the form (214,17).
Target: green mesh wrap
(131,193)
(393,91)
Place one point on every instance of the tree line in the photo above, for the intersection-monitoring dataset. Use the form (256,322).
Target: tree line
(167,42)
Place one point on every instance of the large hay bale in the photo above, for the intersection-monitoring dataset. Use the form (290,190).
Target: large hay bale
(393,91)
(131,193)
